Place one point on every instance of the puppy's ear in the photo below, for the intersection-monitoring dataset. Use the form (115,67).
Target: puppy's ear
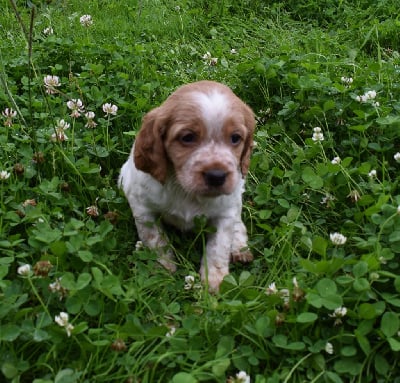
(250,123)
(149,153)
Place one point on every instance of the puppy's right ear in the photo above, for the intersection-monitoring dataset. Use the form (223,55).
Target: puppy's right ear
(149,153)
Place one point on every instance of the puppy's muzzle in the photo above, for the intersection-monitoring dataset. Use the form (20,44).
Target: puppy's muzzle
(215,177)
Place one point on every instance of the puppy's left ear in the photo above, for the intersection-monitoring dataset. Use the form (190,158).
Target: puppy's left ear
(250,123)
(149,153)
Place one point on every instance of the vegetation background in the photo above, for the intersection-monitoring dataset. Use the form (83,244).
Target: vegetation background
(82,301)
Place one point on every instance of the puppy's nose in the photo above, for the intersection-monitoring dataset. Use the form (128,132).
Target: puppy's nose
(215,177)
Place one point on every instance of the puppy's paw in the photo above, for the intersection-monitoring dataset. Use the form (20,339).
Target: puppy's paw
(242,255)
(167,260)
(215,277)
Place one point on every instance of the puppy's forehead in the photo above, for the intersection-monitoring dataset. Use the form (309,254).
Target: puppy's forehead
(214,106)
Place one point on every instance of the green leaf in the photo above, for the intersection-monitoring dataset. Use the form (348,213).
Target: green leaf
(66,376)
(394,344)
(225,346)
(397,284)
(85,255)
(388,120)
(332,302)
(295,346)
(319,245)
(68,281)
(394,236)
(83,280)
(366,311)
(9,332)
(333,377)
(220,366)
(381,364)
(93,307)
(348,366)
(326,287)
(348,351)
(74,304)
(9,370)
(311,178)
(183,377)
(360,269)
(390,324)
(262,326)
(40,335)
(361,284)
(314,300)
(58,248)
(306,317)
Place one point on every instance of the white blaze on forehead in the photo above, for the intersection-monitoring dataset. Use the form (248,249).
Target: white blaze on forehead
(215,108)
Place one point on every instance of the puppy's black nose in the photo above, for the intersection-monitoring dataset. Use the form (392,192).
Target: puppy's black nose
(215,177)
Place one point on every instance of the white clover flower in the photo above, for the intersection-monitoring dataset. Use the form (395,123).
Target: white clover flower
(48,31)
(271,289)
(317,135)
(242,377)
(76,106)
(368,96)
(329,348)
(209,60)
(233,51)
(4,175)
(93,211)
(63,320)
(339,312)
(59,134)
(338,239)
(86,20)
(372,174)
(327,199)
(24,270)
(172,330)
(55,286)
(397,157)
(285,295)
(189,282)
(62,124)
(207,56)
(346,80)
(51,82)
(336,161)
(354,195)
(110,109)
(9,113)
(90,123)
(362,98)
(398,209)
(139,245)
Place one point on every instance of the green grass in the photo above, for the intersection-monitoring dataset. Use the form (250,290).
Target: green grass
(275,318)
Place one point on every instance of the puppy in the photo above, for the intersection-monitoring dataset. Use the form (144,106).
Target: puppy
(189,159)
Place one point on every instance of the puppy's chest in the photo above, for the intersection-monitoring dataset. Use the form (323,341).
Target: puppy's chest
(181,213)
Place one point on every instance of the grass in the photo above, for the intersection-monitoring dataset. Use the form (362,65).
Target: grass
(308,308)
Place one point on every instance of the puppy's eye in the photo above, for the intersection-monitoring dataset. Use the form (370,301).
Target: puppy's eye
(188,138)
(236,138)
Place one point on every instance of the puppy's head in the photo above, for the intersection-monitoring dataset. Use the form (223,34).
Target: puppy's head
(202,135)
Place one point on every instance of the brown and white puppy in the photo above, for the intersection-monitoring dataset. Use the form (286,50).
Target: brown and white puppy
(189,159)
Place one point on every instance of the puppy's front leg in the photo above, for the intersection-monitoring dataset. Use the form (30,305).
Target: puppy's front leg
(154,237)
(215,263)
